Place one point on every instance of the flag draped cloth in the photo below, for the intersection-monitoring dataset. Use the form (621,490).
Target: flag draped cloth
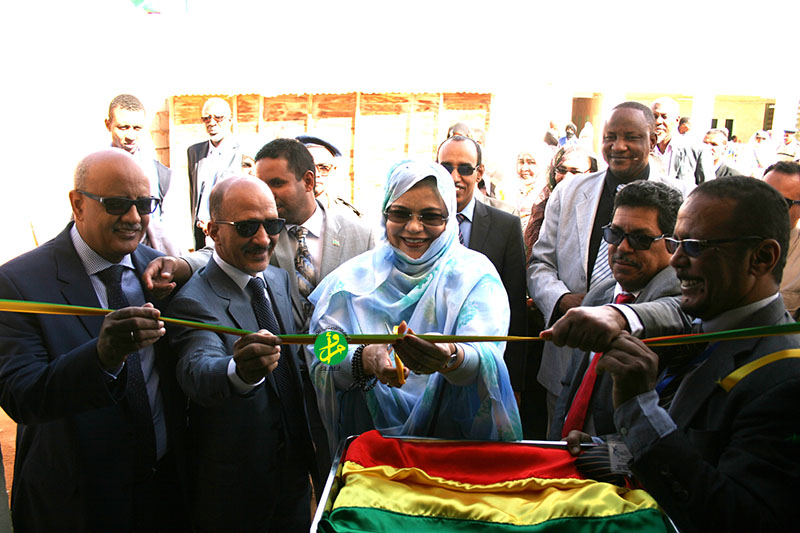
(394,485)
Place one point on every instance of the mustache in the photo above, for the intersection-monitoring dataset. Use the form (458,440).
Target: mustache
(127,227)
(257,249)
(625,258)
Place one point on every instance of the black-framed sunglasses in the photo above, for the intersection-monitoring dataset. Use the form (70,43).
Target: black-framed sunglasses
(637,241)
(790,202)
(324,168)
(119,205)
(695,247)
(402,216)
(464,169)
(217,118)
(248,228)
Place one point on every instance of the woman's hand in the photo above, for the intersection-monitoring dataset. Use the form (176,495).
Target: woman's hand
(377,361)
(424,357)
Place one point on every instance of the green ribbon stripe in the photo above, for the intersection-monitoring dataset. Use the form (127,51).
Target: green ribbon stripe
(19,306)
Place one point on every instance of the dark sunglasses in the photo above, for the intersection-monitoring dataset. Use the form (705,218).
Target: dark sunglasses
(790,203)
(118,205)
(402,216)
(695,247)
(464,169)
(324,168)
(217,118)
(637,241)
(248,228)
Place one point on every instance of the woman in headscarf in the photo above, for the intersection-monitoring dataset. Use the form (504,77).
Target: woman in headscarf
(567,161)
(421,275)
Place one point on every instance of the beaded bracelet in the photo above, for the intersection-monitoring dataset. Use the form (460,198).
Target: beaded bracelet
(357,368)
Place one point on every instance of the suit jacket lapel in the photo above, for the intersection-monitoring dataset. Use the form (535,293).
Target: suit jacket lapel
(76,288)
(585,213)
(283,257)
(331,246)
(480,227)
(698,386)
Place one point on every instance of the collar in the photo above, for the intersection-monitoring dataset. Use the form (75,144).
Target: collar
(315,222)
(241,279)
(469,209)
(619,290)
(92,261)
(613,182)
(658,151)
(732,318)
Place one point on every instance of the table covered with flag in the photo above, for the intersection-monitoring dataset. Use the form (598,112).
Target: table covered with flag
(407,484)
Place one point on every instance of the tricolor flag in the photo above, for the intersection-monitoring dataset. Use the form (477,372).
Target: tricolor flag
(417,485)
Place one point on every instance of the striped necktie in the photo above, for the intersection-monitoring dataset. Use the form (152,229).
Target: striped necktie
(461,218)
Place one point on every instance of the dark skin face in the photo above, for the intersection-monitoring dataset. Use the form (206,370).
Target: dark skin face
(627,142)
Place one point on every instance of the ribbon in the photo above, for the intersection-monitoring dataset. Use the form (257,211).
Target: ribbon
(671,340)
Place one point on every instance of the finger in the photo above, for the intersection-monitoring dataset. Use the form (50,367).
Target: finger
(547,334)
(259,337)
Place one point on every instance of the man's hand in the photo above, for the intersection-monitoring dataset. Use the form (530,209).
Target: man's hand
(570,300)
(632,365)
(165,273)
(256,355)
(588,328)
(574,439)
(127,330)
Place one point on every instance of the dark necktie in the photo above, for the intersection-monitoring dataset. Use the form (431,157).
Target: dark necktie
(136,390)
(304,268)
(461,218)
(576,416)
(266,320)
(683,359)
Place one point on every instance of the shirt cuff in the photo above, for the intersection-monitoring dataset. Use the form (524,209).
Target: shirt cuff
(634,323)
(239,385)
(641,422)
(467,371)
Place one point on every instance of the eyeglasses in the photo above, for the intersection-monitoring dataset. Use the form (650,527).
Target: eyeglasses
(119,205)
(324,168)
(248,228)
(464,169)
(637,241)
(217,118)
(402,216)
(790,203)
(695,247)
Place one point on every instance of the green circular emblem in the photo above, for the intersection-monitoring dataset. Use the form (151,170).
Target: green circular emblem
(330,347)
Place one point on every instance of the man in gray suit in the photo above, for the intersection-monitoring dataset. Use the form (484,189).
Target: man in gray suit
(251,446)
(685,161)
(717,141)
(570,256)
(644,213)
(208,160)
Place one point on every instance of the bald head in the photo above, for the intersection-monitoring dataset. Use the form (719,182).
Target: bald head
(243,199)
(110,173)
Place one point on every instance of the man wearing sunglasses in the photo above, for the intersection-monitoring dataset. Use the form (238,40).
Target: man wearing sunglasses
(644,214)
(784,176)
(494,233)
(724,456)
(100,414)
(208,160)
(246,416)
(325,157)
(570,256)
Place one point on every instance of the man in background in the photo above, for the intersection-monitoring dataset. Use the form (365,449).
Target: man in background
(784,176)
(717,141)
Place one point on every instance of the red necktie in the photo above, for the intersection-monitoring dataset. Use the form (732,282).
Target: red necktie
(580,403)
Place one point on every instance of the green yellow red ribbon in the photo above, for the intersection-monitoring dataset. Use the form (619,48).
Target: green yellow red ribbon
(736,334)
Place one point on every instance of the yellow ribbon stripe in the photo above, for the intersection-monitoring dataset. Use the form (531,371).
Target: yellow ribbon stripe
(523,502)
(742,372)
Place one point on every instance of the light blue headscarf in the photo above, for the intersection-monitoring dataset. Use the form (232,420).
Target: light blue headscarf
(449,290)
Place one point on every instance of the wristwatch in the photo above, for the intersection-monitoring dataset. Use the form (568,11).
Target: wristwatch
(453,359)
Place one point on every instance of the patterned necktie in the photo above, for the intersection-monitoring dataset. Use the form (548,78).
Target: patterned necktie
(683,359)
(136,390)
(266,320)
(304,268)
(461,218)
(601,270)
(576,416)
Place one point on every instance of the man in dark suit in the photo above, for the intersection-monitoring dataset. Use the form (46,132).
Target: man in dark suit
(494,233)
(99,415)
(644,212)
(251,446)
(717,141)
(726,455)
(208,160)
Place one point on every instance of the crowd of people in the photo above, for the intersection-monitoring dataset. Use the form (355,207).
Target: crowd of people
(127,422)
